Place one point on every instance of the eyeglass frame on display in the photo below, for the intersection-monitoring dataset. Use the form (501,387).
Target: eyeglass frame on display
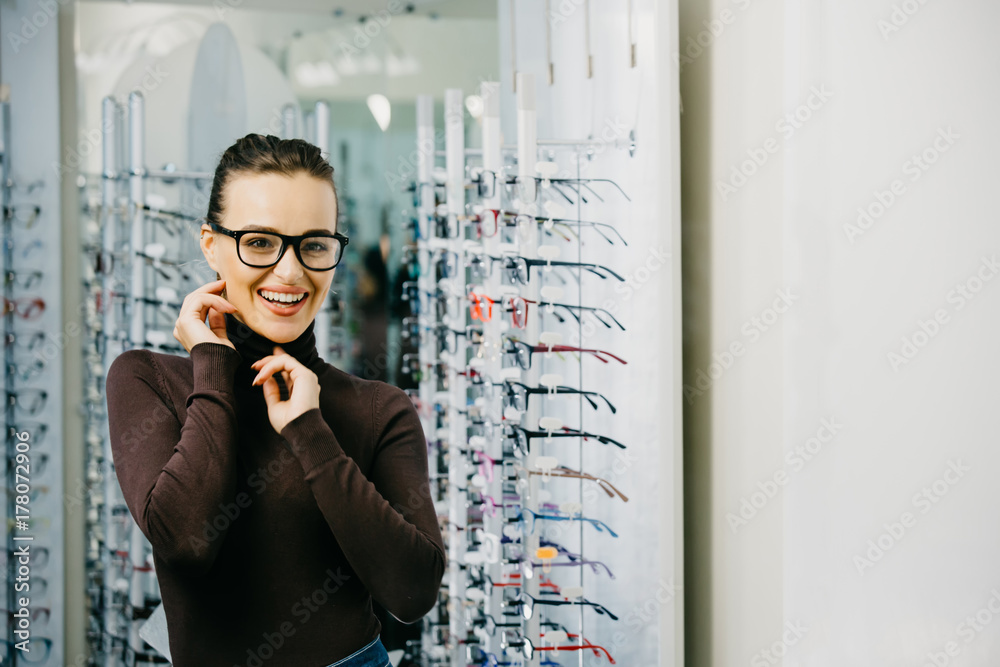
(521,348)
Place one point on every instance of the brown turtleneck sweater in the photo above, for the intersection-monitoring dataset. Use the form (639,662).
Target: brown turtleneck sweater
(269,547)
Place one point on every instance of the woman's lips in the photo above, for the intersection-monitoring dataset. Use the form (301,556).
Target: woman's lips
(284,311)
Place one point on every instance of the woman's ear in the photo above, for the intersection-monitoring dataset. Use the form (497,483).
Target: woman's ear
(207,243)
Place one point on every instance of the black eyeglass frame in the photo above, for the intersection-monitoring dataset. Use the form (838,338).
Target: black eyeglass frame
(286,240)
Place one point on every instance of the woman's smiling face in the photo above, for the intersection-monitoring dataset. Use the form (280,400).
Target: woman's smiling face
(290,205)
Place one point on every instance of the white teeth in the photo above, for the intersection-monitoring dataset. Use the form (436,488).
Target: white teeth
(282,297)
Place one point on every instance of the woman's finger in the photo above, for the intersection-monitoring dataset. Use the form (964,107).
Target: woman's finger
(266,358)
(214,286)
(276,363)
(262,360)
(272,393)
(196,305)
(217,322)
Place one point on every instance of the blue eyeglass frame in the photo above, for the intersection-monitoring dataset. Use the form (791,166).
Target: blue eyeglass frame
(535,516)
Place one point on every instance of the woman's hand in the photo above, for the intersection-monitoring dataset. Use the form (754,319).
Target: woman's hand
(302,383)
(190,328)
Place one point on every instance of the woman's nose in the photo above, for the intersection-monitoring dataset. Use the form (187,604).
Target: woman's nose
(288,267)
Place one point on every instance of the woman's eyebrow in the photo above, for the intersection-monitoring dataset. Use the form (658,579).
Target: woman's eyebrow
(260,228)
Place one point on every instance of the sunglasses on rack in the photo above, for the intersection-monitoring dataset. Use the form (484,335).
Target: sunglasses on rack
(517,269)
(527,188)
(520,353)
(520,437)
(485,183)
(528,519)
(27,308)
(489,624)
(28,401)
(481,308)
(26,342)
(22,279)
(35,651)
(528,566)
(517,395)
(447,338)
(528,649)
(569,473)
(491,220)
(22,214)
(528,603)
(37,431)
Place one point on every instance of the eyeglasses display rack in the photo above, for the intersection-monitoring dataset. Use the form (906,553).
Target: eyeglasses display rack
(141,230)
(503,401)
(33,584)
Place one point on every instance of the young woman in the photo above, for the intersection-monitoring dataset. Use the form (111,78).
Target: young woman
(280,494)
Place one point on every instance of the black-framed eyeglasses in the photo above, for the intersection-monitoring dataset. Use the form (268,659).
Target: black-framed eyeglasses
(516,395)
(517,269)
(485,182)
(260,250)
(526,188)
(527,603)
(520,437)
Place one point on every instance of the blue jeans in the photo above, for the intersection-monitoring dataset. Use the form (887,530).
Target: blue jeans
(372,655)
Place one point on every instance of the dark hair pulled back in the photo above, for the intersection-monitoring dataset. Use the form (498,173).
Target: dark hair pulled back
(266,154)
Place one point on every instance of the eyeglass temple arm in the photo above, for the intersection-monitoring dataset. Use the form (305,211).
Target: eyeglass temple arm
(593,268)
(558,184)
(574,475)
(583,181)
(571,307)
(570,348)
(561,193)
(555,230)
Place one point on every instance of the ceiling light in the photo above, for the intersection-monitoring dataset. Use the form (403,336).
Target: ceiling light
(381,109)
(474,103)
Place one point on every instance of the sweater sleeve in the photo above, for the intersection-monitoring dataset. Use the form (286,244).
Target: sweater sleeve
(175,477)
(386,526)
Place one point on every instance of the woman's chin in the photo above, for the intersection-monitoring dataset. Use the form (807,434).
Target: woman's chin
(281,328)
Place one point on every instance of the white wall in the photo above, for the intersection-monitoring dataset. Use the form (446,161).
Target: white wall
(797,560)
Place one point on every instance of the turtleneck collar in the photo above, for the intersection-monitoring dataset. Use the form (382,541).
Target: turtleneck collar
(253,346)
